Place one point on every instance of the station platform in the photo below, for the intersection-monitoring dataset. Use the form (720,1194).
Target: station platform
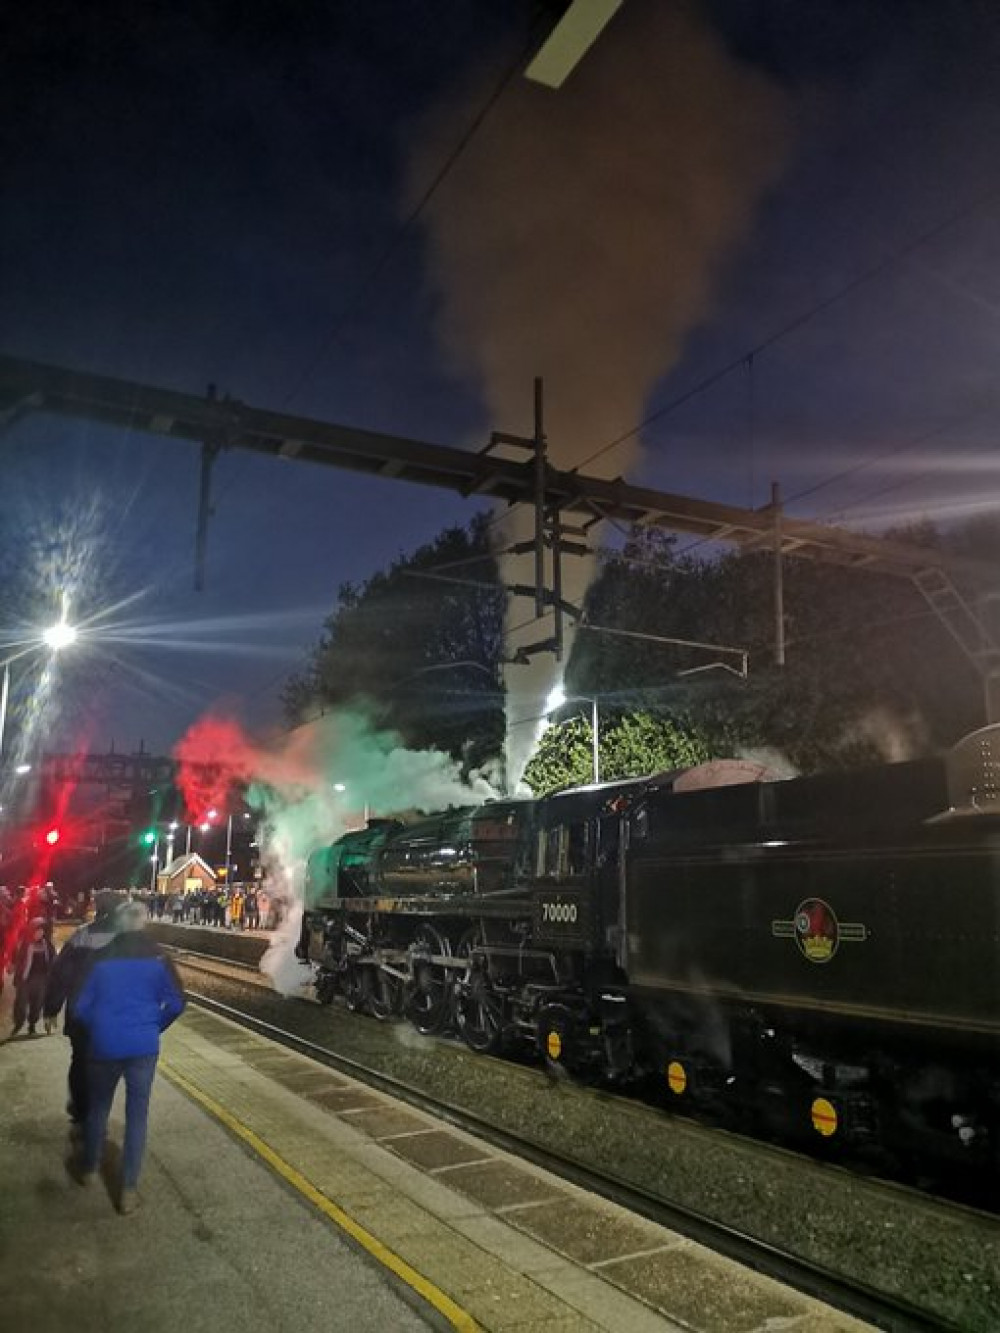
(278,1194)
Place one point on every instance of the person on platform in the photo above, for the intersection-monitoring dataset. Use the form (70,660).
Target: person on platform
(64,985)
(131,994)
(236,909)
(6,930)
(32,964)
(251,909)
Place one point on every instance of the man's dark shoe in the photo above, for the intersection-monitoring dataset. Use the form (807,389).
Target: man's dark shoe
(77,1173)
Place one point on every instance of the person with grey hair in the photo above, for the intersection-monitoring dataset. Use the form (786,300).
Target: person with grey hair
(64,984)
(130,995)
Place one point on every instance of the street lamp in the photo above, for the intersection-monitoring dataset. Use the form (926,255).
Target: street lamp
(557,698)
(57,636)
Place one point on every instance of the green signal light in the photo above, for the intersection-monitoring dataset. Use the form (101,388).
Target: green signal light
(149,837)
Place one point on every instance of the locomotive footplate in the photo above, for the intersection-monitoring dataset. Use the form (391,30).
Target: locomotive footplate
(495,906)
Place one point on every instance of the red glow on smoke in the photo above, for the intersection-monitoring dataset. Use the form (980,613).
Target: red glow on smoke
(217,757)
(214,756)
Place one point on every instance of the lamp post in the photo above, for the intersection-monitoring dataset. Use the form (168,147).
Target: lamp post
(557,698)
(597,750)
(4,692)
(57,636)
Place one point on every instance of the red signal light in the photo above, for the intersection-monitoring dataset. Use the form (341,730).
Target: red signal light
(52,837)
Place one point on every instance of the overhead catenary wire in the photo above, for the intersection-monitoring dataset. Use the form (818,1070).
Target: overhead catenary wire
(392,245)
(944,429)
(389,250)
(793,325)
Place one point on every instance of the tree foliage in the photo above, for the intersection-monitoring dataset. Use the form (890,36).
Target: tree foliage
(870,671)
(418,653)
(630,744)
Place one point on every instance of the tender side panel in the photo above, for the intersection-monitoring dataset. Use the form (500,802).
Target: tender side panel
(907,934)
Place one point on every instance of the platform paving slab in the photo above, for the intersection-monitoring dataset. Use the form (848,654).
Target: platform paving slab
(554,1273)
(222,1242)
(219,1242)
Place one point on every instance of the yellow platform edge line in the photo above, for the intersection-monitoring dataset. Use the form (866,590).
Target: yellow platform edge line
(458,1318)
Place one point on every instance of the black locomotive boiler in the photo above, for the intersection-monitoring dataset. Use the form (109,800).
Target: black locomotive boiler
(821,953)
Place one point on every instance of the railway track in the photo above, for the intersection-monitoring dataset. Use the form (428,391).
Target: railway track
(864,1300)
(975,1194)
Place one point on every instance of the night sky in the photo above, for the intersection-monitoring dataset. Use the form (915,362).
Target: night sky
(202,192)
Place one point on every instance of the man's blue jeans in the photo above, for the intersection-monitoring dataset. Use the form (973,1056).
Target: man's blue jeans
(102,1080)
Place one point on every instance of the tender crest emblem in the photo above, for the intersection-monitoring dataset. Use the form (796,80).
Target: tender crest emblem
(816,930)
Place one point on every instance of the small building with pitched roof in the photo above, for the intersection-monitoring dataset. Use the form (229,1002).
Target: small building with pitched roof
(185,874)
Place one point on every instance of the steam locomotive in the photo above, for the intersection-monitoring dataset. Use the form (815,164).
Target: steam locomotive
(819,955)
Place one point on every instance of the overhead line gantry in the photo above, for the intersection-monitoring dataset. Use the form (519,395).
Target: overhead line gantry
(951,585)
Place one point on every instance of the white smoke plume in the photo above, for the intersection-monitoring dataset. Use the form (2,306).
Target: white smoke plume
(894,736)
(310,786)
(580,236)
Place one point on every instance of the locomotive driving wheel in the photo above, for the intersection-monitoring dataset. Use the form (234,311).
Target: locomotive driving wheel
(480,1010)
(383,992)
(353,985)
(325,985)
(428,1003)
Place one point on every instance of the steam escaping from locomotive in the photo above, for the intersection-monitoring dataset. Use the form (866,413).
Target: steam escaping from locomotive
(580,236)
(310,786)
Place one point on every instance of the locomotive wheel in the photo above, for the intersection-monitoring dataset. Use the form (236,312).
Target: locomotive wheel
(353,983)
(428,1005)
(480,1012)
(383,992)
(325,986)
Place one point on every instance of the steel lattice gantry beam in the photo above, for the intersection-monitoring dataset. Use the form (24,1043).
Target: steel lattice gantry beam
(223,423)
(951,585)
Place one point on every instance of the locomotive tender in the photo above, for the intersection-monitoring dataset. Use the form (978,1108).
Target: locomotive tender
(819,954)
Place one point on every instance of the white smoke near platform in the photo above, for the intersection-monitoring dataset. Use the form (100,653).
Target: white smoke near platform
(308,787)
(580,237)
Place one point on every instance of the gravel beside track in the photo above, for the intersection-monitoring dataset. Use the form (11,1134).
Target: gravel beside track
(942,1259)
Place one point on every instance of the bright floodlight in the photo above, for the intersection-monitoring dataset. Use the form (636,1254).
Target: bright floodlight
(59,636)
(556,699)
(339,786)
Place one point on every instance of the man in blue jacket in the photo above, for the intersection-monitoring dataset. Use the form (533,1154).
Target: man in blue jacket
(65,981)
(131,994)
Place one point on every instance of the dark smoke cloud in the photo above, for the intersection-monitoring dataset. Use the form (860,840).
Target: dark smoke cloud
(582,233)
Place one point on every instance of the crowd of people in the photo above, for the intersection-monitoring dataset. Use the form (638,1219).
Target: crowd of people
(241,907)
(27,916)
(118,992)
